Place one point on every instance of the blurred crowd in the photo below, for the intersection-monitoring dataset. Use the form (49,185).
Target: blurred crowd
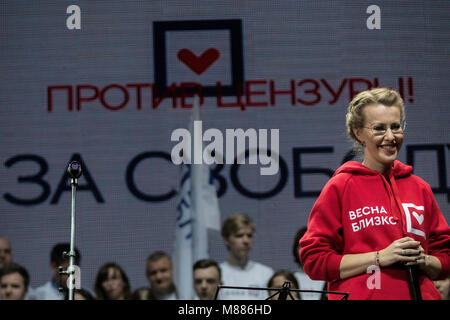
(112,283)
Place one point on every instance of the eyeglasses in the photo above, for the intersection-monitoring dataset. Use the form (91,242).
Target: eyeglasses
(381,128)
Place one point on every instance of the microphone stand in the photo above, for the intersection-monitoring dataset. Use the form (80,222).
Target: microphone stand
(283,292)
(74,172)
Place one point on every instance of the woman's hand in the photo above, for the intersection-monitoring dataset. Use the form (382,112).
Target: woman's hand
(428,264)
(421,260)
(406,250)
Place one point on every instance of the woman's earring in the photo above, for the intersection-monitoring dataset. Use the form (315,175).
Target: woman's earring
(363,144)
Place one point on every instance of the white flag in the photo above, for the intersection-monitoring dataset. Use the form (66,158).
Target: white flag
(197,211)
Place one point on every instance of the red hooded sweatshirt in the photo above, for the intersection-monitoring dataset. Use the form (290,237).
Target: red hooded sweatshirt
(359,210)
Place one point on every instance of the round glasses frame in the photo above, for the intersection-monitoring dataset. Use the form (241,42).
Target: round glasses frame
(381,129)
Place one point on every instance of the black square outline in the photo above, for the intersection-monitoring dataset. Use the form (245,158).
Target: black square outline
(236,45)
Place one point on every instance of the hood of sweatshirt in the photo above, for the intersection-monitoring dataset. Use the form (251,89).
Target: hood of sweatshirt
(398,170)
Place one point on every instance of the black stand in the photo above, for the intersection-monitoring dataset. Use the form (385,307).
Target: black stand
(282,292)
(74,172)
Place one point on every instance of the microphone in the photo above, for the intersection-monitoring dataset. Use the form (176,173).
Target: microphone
(413,282)
(74,170)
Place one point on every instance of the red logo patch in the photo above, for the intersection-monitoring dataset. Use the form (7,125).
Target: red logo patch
(198,64)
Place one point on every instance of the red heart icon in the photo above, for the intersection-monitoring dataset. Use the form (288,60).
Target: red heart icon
(198,64)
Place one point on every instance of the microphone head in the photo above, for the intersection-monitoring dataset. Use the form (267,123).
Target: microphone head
(74,170)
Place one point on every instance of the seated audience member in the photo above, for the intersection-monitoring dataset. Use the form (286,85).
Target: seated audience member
(6,256)
(160,276)
(112,283)
(305,282)
(50,290)
(444,287)
(207,276)
(238,270)
(14,281)
(277,281)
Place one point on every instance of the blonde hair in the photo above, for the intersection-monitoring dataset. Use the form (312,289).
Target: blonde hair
(355,116)
(235,222)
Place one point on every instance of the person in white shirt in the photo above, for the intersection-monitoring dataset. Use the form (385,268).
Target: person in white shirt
(238,270)
(50,290)
(304,281)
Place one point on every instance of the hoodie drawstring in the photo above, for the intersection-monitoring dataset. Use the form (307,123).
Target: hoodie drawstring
(398,202)
(394,199)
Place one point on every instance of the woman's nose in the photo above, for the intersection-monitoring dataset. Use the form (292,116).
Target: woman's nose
(389,135)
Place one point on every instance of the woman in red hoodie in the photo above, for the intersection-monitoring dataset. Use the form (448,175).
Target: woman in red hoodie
(375,219)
